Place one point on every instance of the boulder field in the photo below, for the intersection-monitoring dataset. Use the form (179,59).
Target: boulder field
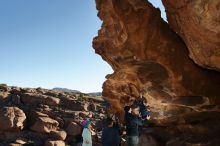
(38,117)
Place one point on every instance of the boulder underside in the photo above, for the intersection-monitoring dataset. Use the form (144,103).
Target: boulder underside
(176,64)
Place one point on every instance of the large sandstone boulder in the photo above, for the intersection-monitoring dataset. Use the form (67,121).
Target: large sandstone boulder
(33,99)
(168,63)
(16,90)
(15,99)
(4,97)
(44,124)
(74,129)
(147,56)
(52,93)
(58,135)
(11,118)
(4,88)
(198,24)
(72,104)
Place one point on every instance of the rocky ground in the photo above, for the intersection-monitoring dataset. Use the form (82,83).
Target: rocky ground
(40,117)
(44,117)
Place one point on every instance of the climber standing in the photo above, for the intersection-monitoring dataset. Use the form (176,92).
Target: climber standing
(132,121)
(89,116)
(144,108)
(87,133)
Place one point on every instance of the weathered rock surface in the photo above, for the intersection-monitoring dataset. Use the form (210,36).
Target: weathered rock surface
(198,24)
(44,124)
(73,129)
(172,64)
(33,98)
(4,96)
(39,115)
(148,56)
(11,118)
(59,134)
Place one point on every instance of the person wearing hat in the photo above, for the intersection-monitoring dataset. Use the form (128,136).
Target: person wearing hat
(87,134)
(89,115)
(132,122)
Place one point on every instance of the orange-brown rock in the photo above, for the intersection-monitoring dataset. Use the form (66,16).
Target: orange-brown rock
(4,96)
(33,99)
(146,55)
(198,24)
(4,88)
(44,124)
(152,57)
(73,129)
(36,115)
(58,135)
(11,119)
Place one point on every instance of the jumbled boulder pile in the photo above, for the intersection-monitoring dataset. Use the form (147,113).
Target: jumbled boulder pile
(45,117)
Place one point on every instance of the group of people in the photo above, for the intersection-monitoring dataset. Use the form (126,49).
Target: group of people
(135,115)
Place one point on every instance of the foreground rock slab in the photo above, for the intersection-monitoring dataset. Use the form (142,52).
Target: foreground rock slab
(11,119)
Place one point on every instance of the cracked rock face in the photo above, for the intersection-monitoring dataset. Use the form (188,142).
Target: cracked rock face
(198,24)
(161,61)
(146,55)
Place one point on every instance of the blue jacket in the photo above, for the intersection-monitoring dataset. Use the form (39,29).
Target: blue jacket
(132,124)
(110,136)
(143,109)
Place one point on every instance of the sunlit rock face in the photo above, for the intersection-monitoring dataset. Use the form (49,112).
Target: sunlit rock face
(148,56)
(198,24)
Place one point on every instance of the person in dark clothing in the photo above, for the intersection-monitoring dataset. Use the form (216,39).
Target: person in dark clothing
(132,121)
(110,133)
(144,109)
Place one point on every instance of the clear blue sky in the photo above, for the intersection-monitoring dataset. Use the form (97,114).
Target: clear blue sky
(48,43)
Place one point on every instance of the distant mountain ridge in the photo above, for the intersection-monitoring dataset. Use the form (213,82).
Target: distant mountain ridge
(76,91)
(65,90)
(95,94)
